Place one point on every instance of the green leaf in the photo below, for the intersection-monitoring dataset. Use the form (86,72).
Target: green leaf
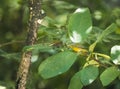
(106,32)
(63,5)
(10,55)
(75,82)
(79,25)
(115,54)
(40,47)
(89,74)
(109,75)
(102,55)
(57,64)
(92,46)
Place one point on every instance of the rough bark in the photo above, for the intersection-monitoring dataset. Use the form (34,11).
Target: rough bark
(33,24)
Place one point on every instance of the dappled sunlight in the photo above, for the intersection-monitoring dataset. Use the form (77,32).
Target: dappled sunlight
(89,30)
(75,38)
(114,49)
(80,10)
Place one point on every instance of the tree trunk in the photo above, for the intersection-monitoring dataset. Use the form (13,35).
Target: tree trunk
(33,24)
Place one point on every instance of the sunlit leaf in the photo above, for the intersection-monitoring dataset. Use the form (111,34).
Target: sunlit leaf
(109,75)
(2,87)
(102,55)
(89,74)
(92,46)
(79,25)
(75,82)
(115,54)
(79,50)
(92,62)
(57,64)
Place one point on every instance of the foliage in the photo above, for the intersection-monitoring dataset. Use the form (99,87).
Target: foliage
(78,32)
(76,46)
(61,64)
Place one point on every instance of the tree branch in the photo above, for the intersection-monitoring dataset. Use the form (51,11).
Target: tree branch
(9,43)
(33,24)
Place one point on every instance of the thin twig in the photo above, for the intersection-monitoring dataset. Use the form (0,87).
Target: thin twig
(9,43)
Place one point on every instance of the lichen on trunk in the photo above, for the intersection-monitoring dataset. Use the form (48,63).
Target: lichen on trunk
(35,15)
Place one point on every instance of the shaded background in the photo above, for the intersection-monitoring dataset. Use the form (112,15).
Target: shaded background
(13,22)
